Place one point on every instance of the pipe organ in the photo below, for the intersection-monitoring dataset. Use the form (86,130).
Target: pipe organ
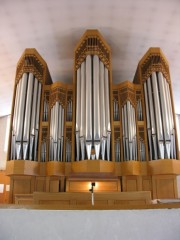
(64,135)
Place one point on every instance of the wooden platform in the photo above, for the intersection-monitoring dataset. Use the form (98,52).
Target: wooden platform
(66,200)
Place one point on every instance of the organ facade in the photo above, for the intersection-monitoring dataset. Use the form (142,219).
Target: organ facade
(65,136)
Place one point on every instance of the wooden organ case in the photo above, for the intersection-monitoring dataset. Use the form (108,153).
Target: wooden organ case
(65,136)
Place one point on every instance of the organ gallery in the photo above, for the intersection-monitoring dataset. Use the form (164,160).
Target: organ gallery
(64,137)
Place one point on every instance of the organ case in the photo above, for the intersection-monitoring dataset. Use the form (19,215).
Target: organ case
(93,130)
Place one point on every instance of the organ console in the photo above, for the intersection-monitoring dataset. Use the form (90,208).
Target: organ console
(64,135)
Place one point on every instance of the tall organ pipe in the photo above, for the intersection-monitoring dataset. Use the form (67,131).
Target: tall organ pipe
(13,141)
(173,147)
(126,132)
(51,140)
(37,122)
(153,127)
(102,112)
(107,112)
(96,105)
(62,134)
(27,116)
(55,132)
(123,131)
(78,111)
(88,109)
(130,129)
(21,116)
(33,119)
(59,134)
(148,121)
(83,108)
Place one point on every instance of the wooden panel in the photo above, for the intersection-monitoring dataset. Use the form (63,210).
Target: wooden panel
(22,167)
(164,187)
(24,199)
(101,199)
(132,183)
(164,166)
(146,183)
(54,186)
(5,180)
(88,166)
(54,168)
(40,184)
(131,168)
(21,185)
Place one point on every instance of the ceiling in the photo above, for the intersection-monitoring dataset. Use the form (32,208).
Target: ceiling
(54,27)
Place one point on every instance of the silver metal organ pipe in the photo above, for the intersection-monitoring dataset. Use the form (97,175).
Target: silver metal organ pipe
(37,122)
(56,119)
(27,116)
(51,140)
(53,119)
(62,134)
(139,110)
(134,144)
(102,112)
(158,116)
(55,132)
(168,103)
(68,151)
(13,140)
(96,114)
(107,106)
(129,130)
(153,127)
(43,151)
(33,118)
(83,108)
(88,108)
(148,121)
(59,134)
(107,109)
(173,143)
(78,113)
(117,150)
(126,133)
(45,109)
(69,110)
(21,116)
(83,87)
(123,131)
(171,121)
(116,111)
(165,116)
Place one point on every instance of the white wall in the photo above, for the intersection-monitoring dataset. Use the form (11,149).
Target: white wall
(3,154)
(20,224)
